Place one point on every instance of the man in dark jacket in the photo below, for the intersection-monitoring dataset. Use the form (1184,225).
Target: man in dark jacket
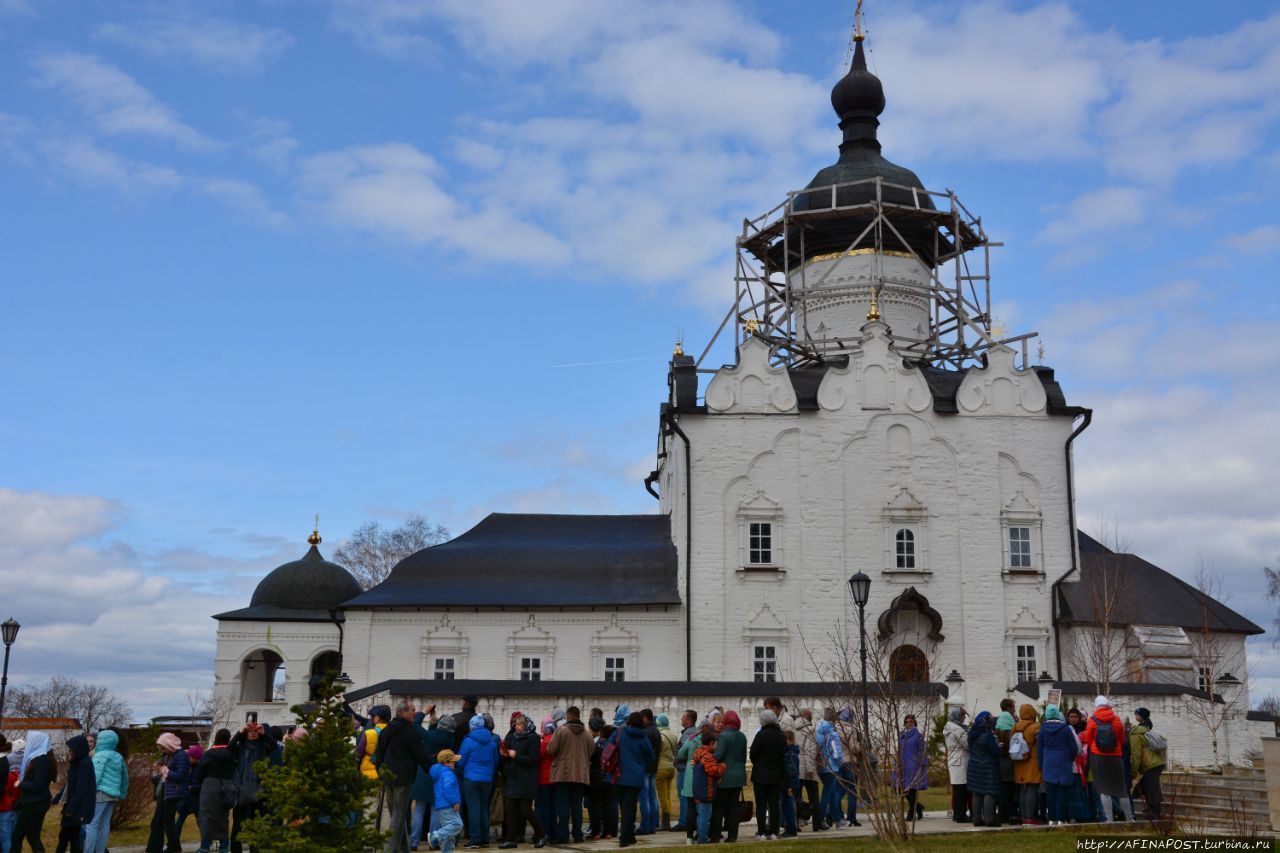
(400,752)
(462,721)
(78,797)
(768,754)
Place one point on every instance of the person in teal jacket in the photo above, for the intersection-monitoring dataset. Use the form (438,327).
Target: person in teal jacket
(731,751)
(112,776)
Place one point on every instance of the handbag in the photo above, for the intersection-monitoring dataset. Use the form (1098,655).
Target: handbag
(496,803)
(228,793)
(746,811)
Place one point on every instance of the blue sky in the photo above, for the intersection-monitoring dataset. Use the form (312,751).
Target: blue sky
(264,260)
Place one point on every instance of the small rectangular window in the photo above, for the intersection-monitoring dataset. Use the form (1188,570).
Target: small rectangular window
(444,669)
(905,544)
(1020,547)
(765,664)
(1203,678)
(1026,660)
(615,669)
(530,669)
(760,543)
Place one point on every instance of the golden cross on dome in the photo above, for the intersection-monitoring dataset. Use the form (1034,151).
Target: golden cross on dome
(753,325)
(314,538)
(857,22)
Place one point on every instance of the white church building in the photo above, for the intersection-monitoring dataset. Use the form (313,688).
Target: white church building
(875,420)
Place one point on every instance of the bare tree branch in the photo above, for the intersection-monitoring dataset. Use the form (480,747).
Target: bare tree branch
(93,705)
(373,550)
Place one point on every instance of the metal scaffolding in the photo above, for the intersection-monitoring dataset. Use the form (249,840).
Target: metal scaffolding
(771,286)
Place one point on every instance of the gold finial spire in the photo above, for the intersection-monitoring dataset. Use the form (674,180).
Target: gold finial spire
(314,538)
(873,313)
(858,35)
(679,350)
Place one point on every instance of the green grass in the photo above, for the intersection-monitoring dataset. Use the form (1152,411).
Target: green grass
(129,836)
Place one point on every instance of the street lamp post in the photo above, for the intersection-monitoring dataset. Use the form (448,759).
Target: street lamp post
(9,632)
(860,586)
(339,618)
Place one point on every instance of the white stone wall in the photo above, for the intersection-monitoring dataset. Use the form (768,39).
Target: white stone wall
(837,482)
(298,643)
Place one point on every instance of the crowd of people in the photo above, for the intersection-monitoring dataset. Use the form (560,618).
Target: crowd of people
(1041,768)
(447,780)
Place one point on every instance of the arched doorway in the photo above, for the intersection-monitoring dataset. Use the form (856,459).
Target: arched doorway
(322,663)
(907,664)
(262,677)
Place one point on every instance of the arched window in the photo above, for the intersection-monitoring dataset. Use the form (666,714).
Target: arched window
(262,677)
(906,548)
(908,664)
(322,664)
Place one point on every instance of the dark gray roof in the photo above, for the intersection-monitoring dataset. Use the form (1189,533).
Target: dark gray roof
(945,383)
(299,591)
(510,560)
(737,689)
(1260,716)
(1158,597)
(1089,689)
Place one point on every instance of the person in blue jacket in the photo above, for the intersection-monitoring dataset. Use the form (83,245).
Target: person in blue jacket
(983,774)
(444,802)
(1056,749)
(478,763)
(635,753)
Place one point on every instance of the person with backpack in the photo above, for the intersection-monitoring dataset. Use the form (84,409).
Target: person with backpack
(216,776)
(626,763)
(1105,736)
(111,776)
(78,796)
(250,745)
(1147,752)
(172,777)
(1056,750)
(1026,766)
(1008,788)
(705,774)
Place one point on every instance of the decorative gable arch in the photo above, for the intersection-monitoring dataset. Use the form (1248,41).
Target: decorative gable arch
(911,599)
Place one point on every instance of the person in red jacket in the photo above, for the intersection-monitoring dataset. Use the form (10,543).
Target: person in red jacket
(545,805)
(1104,736)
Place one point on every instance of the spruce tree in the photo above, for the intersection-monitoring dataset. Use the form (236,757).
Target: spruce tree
(315,802)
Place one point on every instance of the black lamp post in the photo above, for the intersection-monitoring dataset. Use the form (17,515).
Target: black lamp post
(860,586)
(9,632)
(339,618)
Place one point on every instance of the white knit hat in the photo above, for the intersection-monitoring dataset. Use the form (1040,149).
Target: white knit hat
(1101,701)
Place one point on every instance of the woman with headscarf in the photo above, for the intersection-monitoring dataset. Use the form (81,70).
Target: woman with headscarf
(956,737)
(36,773)
(521,753)
(731,751)
(77,797)
(983,773)
(912,771)
(1104,734)
(172,777)
(1082,799)
(1026,772)
(1008,788)
(1056,750)
(1146,757)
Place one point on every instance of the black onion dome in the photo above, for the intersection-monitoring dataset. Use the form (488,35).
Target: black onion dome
(312,583)
(858,99)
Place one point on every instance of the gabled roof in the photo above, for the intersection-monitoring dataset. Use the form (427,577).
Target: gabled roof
(1031,689)
(510,560)
(1157,597)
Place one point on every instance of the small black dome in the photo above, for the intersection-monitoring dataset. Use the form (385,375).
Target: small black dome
(859,92)
(312,583)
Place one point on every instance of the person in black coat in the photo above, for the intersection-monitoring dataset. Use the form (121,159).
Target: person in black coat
(768,772)
(521,752)
(983,774)
(79,796)
(216,768)
(401,752)
(38,772)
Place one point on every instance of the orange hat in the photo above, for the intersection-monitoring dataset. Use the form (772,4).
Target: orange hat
(446,756)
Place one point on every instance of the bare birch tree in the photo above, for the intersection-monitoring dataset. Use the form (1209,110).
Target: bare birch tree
(94,705)
(373,550)
(1215,658)
(1097,652)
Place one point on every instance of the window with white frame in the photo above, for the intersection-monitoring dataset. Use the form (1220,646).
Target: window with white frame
(1020,548)
(1203,678)
(1025,660)
(530,669)
(905,549)
(444,669)
(760,543)
(765,663)
(615,669)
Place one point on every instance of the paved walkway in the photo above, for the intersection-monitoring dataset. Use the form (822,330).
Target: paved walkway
(934,823)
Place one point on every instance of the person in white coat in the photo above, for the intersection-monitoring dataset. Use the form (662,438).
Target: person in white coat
(955,735)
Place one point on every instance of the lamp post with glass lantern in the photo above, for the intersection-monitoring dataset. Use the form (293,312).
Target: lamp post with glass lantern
(9,632)
(860,586)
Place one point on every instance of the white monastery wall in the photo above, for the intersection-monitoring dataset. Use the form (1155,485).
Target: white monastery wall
(297,643)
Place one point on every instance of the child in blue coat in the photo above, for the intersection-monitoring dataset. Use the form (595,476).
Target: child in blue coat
(445,799)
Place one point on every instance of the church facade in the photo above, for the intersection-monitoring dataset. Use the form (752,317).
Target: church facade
(845,437)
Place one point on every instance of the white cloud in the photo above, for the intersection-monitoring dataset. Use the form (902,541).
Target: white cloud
(243,197)
(115,102)
(98,166)
(391,190)
(102,611)
(1101,211)
(1260,241)
(221,45)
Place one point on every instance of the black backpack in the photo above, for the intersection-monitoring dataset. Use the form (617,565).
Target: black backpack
(1104,736)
